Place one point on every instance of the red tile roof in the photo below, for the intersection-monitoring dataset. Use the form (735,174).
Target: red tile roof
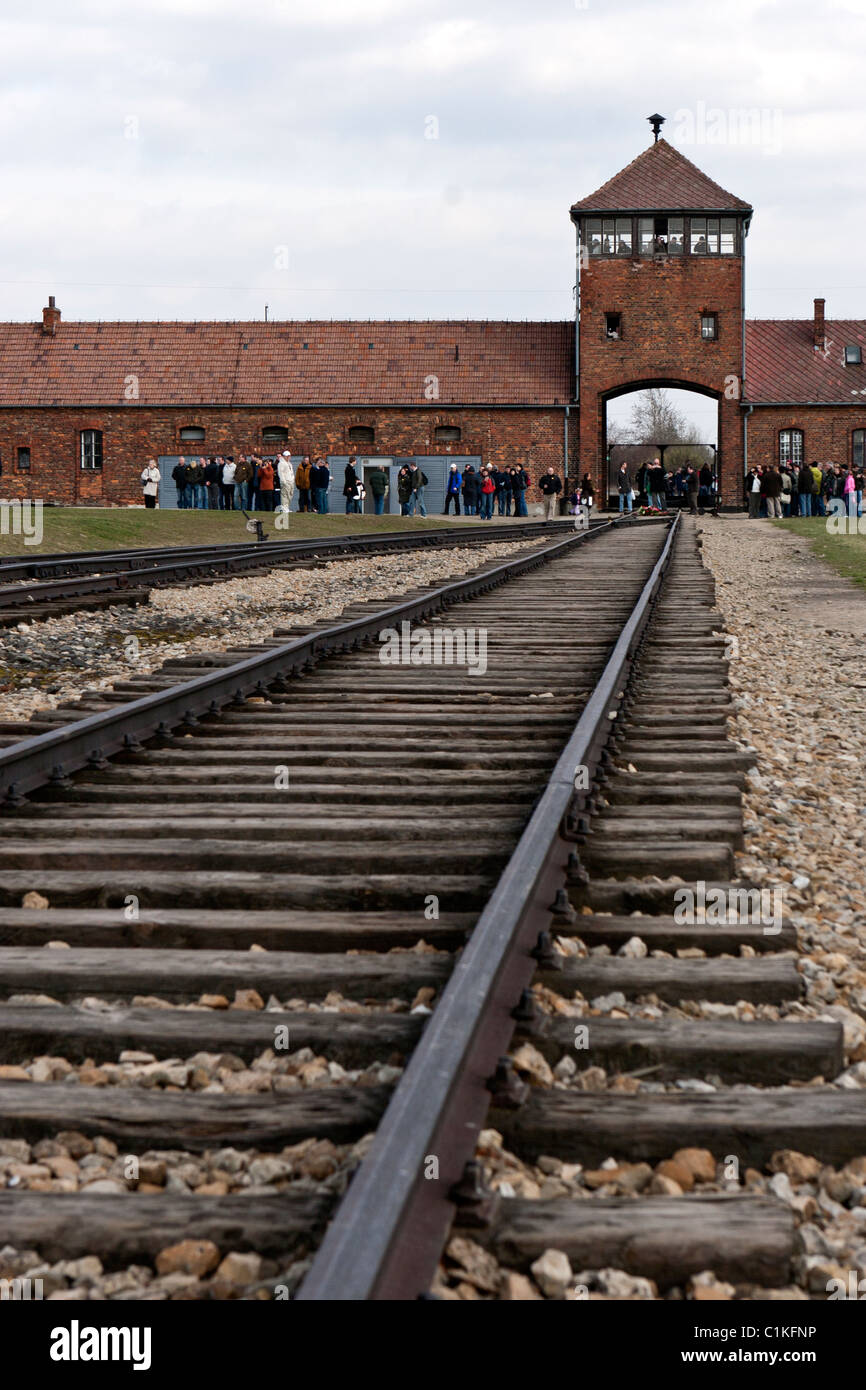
(661,179)
(782,363)
(287,363)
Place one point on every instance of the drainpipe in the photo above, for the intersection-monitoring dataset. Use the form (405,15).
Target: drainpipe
(565,449)
(749,409)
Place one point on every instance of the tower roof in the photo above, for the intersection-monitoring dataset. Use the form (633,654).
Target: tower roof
(661,180)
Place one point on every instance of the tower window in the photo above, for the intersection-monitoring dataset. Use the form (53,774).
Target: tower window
(609,236)
(23,460)
(613,325)
(661,236)
(447,434)
(192,433)
(91,450)
(362,434)
(713,236)
(709,327)
(790,448)
(275,434)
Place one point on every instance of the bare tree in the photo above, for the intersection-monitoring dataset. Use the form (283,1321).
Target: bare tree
(656,420)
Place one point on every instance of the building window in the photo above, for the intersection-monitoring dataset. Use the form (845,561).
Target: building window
(709,327)
(661,236)
(853,356)
(713,236)
(193,434)
(23,460)
(447,434)
(609,236)
(613,325)
(91,450)
(275,434)
(858,440)
(362,434)
(790,448)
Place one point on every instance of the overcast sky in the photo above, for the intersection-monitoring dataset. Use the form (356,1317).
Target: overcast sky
(408,158)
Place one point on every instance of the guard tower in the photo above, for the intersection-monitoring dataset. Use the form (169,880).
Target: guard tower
(661,259)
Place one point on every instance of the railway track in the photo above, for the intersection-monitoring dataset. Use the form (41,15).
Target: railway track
(162,869)
(48,586)
(396,874)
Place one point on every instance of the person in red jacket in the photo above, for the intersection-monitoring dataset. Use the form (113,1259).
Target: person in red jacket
(488,489)
(266,486)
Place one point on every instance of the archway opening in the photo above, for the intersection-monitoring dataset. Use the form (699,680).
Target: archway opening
(667,426)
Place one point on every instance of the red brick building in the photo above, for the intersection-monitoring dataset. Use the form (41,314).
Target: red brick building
(661,271)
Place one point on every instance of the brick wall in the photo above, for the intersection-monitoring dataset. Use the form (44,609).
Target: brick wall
(827,431)
(661,302)
(132,434)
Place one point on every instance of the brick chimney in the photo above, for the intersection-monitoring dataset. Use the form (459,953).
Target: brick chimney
(50,318)
(819,325)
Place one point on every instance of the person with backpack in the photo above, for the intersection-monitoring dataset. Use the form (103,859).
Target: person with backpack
(419,482)
(551,486)
(453,483)
(150,479)
(378,481)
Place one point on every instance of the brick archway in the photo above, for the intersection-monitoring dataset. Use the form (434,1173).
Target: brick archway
(593,431)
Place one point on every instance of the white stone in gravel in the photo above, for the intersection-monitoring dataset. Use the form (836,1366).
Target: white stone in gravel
(552,1273)
(633,949)
(605,1002)
(780,1186)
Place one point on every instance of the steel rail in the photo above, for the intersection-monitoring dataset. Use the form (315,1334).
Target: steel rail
(52,756)
(387,1235)
(131,561)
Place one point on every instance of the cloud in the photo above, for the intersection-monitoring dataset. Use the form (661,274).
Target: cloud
(156,154)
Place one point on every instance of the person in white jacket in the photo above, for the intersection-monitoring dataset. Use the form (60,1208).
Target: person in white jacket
(286,475)
(150,478)
(228,485)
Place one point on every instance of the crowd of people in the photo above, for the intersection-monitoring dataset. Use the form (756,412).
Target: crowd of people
(807,490)
(661,486)
(252,483)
